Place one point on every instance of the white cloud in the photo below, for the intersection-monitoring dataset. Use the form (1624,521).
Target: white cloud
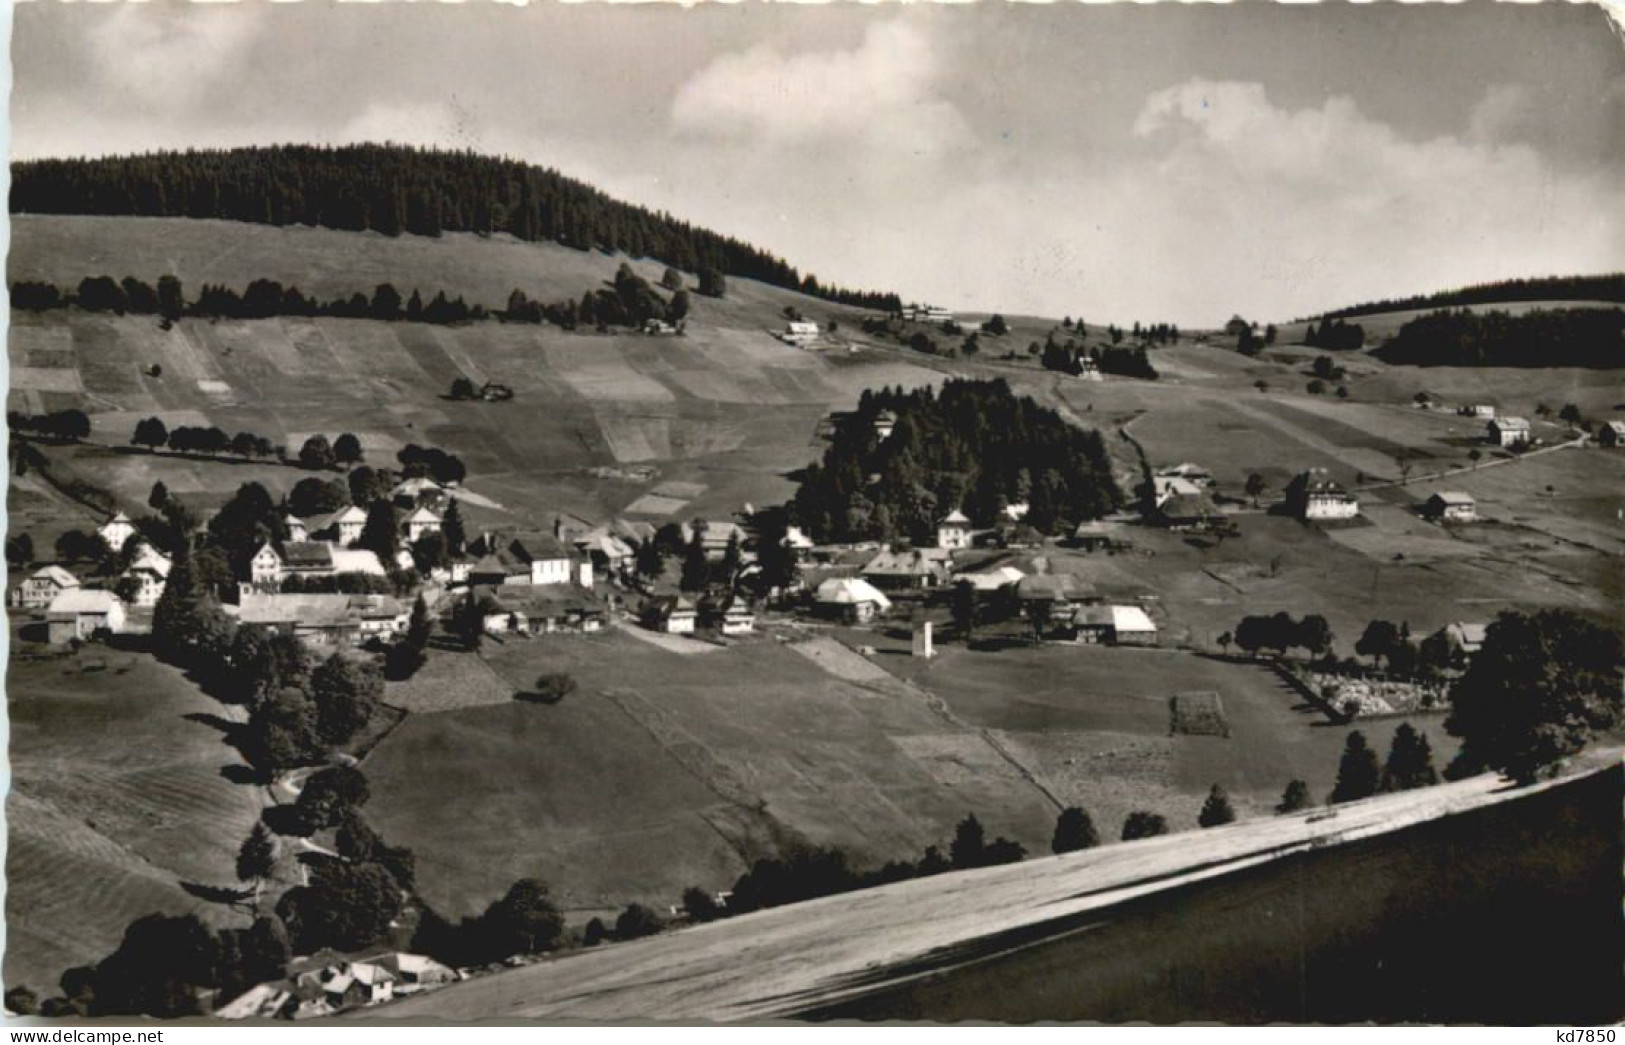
(173,59)
(883,92)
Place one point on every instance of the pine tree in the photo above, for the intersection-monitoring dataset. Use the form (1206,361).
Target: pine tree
(1410,761)
(969,848)
(1294,798)
(1216,810)
(379,534)
(256,860)
(1358,774)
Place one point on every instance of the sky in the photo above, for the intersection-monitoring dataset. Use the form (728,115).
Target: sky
(1118,162)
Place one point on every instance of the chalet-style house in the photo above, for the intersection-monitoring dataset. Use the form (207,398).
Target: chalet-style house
(1451,507)
(672,614)
(715,537)
(343,526)
(1315,495)
(501,567)
(82,613)
(885,423)
(1113,625)
(850,599)
(1057,596)
(269,567)
(1507,431)
(953,532)
(325,620)
(1165,486)
(1611,433)
(42,586)
(115,532)
(799,544)
(1464,638)
(911,570)
(1193,473)
(728,613)
(149,572)
(607,552)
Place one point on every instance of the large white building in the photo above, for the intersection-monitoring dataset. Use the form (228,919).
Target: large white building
(116,531)
(43,585)
(953,532)
(1315,495)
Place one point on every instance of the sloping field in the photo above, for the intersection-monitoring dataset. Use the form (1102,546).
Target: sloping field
(117,799)
(727,407)
(664,771)
(1393,909)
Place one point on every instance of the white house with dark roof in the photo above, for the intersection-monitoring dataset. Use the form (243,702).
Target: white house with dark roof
(42,586)
(1315,495)
(850,598)
(1611,433)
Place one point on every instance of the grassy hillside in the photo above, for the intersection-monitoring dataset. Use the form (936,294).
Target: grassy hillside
(724,411)
(1399,908)
(117,802)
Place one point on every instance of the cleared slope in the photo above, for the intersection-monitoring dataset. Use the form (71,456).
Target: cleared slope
(1291,918)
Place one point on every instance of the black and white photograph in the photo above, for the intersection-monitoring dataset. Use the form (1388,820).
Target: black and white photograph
(815,514)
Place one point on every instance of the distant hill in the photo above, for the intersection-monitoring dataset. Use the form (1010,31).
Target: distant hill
(396,190)
(1607,287)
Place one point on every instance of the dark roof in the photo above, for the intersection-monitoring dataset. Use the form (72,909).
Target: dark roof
(307,553)
(1053,586)
(536,547)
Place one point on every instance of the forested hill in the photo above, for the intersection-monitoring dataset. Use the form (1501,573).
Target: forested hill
(1608,287)
(396,190)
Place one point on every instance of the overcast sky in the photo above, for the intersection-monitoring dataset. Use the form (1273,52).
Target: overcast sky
(1120,162)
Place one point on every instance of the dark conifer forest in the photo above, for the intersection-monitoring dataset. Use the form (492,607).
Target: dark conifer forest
(975,446)
(1609,287)
(397,190)
(1581,337)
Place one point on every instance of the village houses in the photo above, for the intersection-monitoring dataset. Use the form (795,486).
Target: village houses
(82,613)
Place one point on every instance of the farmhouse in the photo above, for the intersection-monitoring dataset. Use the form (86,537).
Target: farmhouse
(1088,369)
(148,572)
(915,569)
(604,550)
(1132,626)
(499,568)
(1315,495)
(1098,535)
(1612,433)
(116,531)
(344,525)
(851,599)
(658,327)
(549,561)
(928,314)
(799,544)
(990,578)
(328,620)
(1507,431)
(1169,486)
(885,422)
(1051,600)
(953,532)
(728,613)
(1189,511)
(673,614)
(714,537)
(297,531)
(1463,637)
(1483,410)
(540,609)
(800,332)
(420,523)
(42,586)
(327,982)
(1451,506)
(80,613)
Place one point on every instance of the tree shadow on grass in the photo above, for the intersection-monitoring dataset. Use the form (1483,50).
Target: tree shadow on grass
(238,773)
(231,896)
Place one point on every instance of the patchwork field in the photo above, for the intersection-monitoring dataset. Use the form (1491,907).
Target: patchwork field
(117,801)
